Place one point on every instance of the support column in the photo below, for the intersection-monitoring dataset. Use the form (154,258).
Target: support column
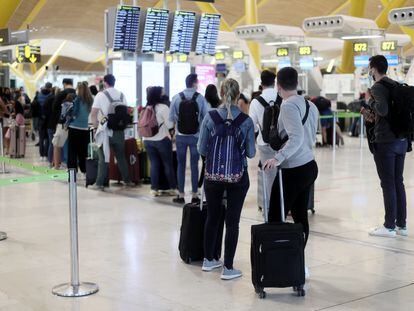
(382,19)
(357,9)
(252,19)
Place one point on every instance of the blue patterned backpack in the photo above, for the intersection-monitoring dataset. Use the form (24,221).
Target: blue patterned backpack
(226,150)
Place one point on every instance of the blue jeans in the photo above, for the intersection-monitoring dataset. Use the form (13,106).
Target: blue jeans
(184,142)
(389,159)
(161,152)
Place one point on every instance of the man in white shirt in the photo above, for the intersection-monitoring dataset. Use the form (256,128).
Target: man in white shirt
(99,111)
(268,97)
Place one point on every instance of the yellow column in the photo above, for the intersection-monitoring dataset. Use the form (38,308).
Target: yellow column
(382,19)
(7,9)
(251,19)
(357,8)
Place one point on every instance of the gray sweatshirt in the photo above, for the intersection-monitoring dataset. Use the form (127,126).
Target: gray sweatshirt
(298,150)
(379,103)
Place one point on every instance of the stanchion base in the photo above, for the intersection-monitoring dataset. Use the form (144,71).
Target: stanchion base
(3,236)
(67,290)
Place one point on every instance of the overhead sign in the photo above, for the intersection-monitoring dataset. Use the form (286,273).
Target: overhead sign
(305,50)
(238,55)
(182,32)
(387,46)
(155,31)
(392,59)
(282,52)
(220,56)
(28,54)
(208,34)
(360,47)
(126,28)
(5,36)
(361,61)
(169,58)
(182,58)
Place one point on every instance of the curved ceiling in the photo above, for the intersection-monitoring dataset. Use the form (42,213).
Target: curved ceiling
(81,23)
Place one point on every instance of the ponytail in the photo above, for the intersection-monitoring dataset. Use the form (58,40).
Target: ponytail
(230,91)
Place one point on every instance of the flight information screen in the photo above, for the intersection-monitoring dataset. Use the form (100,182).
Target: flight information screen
(126,28)
(155,31)
(182,32)
(208,34)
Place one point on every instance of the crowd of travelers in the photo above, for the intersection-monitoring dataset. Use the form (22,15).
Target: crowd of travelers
(223,128)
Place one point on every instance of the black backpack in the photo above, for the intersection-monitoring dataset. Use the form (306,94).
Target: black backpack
(188,114)
(275,141)
(270,116)
(401,109)
(118,116)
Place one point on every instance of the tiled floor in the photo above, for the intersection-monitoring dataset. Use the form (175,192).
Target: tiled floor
(128,245)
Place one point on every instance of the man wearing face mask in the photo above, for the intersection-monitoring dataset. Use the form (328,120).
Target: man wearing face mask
(389,152)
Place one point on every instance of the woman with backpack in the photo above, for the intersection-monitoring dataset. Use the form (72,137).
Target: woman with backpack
(154,126)
(78,128)
(226,140)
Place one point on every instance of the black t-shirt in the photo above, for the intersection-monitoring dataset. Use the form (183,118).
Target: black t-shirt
(57,107)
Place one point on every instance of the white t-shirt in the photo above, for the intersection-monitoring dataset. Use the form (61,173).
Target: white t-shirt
(257,110)
(102,103)
(163,118)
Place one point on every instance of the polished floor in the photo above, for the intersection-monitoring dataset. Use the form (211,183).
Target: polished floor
(128,246)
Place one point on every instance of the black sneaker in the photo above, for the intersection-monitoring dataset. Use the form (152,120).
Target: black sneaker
(179,200)
(195,200)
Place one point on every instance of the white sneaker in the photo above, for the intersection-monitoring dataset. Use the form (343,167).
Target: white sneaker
(402,231)
(154,193)
(383,232)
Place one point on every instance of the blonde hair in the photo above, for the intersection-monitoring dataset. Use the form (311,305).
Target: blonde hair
(230,92)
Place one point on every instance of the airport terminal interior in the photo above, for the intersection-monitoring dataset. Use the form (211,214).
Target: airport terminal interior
(103,206)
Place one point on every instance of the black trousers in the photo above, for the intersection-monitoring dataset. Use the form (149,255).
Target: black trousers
(297,183)
(78,141)
(236,193)
(43,138)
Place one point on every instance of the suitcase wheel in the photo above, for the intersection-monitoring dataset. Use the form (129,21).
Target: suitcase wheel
(260,291)
(313,211)
(300,291)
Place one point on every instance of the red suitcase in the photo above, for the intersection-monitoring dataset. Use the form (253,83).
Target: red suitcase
(132,158)
(17,147)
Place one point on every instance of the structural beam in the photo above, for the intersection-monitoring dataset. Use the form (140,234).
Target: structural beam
(7,9)
(340,8)
(382,19)
(41,72)
(210,8)
(33,14)
(356,9)
(251,19)
(242,19)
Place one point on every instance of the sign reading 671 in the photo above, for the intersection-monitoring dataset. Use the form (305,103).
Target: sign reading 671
(28,54)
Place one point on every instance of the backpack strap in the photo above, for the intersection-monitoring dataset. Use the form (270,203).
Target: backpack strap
(305,118)
(182,96)
(195,96)
(122,98)
(240,119)
(111,100)
(262,101)
(215,116)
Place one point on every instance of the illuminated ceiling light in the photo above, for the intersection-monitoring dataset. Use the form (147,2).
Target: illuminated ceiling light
(222,47)
(318,58)
(356,37)
(270,61)
(282,43)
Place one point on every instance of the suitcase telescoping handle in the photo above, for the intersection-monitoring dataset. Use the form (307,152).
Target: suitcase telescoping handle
(91,140)
(266,200)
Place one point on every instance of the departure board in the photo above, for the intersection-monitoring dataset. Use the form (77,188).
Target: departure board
(126,28)
(182,32)
(155,31)
(208,34)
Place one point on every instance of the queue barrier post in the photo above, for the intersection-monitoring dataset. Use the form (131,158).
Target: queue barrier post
(3,164)
(334,130)
(361,131)
(75,288)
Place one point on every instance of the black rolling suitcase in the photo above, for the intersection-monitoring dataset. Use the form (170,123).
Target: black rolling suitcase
(277,252)
(191,245)
(311,205)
